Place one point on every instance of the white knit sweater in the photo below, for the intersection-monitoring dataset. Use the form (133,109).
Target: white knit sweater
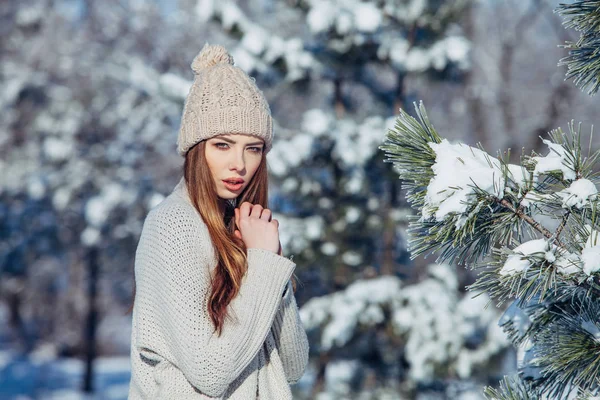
(175,353)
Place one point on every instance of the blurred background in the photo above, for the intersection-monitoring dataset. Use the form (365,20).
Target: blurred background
(91,99)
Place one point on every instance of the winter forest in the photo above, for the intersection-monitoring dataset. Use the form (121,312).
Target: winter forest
(435,173)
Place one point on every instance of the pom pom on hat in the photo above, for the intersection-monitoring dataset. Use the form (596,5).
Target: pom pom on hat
(209,56)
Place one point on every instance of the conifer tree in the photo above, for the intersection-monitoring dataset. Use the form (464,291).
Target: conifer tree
(532,230)
(326,169)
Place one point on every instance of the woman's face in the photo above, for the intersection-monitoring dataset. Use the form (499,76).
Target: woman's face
(233,161)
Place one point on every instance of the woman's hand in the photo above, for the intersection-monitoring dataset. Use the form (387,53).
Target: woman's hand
(257,228)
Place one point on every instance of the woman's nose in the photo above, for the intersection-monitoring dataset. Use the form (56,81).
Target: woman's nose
(237,163)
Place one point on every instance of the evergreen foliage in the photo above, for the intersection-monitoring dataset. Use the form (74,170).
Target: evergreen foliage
(534,235)
(583,61)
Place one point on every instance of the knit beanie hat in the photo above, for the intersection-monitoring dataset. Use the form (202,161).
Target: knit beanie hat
(222,100)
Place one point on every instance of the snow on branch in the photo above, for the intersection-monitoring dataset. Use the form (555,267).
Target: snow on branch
(437,325)
(487,213)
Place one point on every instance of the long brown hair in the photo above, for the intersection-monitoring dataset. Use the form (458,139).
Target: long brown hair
(218,217)
(217,214)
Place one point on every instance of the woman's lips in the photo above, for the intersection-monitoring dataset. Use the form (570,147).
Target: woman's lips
(234,187)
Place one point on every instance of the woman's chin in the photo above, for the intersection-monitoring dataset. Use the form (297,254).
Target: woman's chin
(228,195)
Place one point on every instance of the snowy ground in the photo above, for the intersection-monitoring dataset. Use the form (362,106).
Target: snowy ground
(23,378)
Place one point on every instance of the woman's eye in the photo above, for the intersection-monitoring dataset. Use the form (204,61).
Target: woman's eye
(221,145)
(255,149)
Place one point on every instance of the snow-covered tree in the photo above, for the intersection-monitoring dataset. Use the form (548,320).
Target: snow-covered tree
(83,125)
(404,336)
(531,229)
(342,218)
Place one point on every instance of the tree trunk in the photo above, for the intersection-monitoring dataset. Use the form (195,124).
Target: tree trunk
(92,321)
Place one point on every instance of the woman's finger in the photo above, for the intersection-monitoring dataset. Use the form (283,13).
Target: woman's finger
(256,210)
(237,217)
(266,214)
(245,209)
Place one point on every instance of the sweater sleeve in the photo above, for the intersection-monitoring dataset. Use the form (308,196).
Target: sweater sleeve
(290,337)
(173,263)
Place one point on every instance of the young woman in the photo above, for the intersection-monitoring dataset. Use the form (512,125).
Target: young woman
(214,313)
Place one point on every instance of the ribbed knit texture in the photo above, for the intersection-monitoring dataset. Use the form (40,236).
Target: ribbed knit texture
(175,353)
(222,100)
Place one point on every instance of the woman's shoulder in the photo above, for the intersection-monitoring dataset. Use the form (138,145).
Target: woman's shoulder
(174,226)
(176,212)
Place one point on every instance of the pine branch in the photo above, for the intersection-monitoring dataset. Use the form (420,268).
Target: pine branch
(583,61)
(568,348)
(535,224)
(511,388)
(492,215)
(563,223)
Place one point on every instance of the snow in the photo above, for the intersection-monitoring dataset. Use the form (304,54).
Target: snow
(289,185)
(579,194)
(457,49)
(417,60)
(352,258)
(174,86)
(408,11)
(352,214)
(556,160)
(355,184)
(61,198)
(517,262)
(244,60)
(90,236)
(454,49)
(329,249)
(288,154)
(457,168)
(398,51)
(36,188)
(254,40)
(96,211)
(295,233)
(205,9)
(60,378)
(367,17)
(231,15)
(321,16)
(343,309)
(371,315)
(519,175)
(343,23)
(568,263)
(354,144)
(57,149)
(154,200)
(403,56)
(592,328)
(340,328)
(29,15)
(339,374)
(430,317)
(314,227)
(590,256)
(316,122)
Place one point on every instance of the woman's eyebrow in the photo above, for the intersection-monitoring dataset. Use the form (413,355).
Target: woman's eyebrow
(233,141)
